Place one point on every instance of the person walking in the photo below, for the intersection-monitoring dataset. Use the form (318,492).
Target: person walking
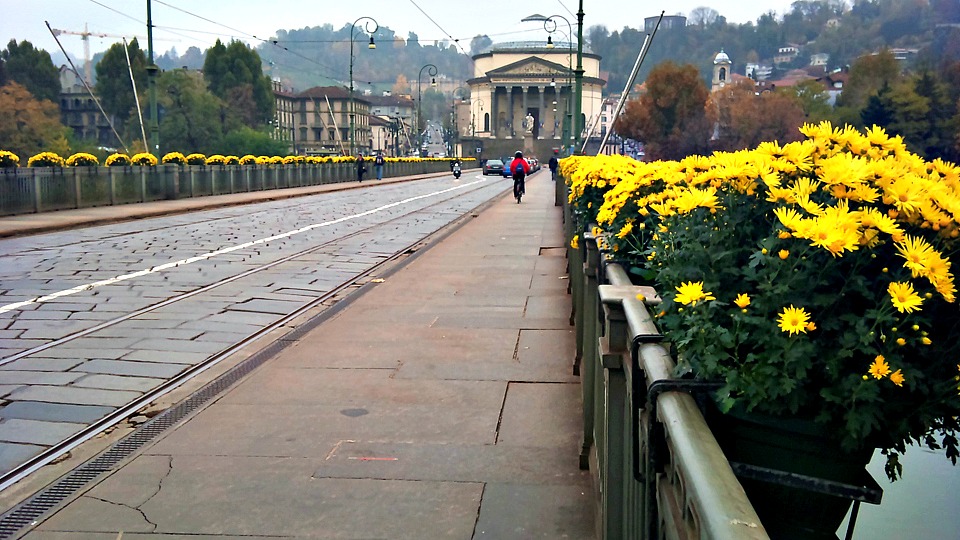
(554,163)
(361,167)
(378,163)
(520,168)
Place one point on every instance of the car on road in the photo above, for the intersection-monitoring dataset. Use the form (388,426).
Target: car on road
(492,166)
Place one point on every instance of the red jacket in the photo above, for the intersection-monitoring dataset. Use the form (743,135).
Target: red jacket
(522,162)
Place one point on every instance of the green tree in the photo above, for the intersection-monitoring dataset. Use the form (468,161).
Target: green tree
(867,75)
(29,125)
(940,129)
(246,140)
(3,71)
(479,43)
(234,73)
(670,117)
(879,109)
(193,119)
(33,69)
(113,80)
(813,100)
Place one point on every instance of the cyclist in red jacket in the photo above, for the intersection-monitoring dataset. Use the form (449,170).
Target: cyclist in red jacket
(520,168)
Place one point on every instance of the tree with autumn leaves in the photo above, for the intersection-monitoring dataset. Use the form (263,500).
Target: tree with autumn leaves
(670,117)
(29,125)
(744,118)
(677,116)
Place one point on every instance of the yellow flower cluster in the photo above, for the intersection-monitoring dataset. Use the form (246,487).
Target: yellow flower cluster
(173,158)
(45,159)
(117,160)
(803,276)
(839,189)
(144,159)
(8,159)
(82,159)
(880,369)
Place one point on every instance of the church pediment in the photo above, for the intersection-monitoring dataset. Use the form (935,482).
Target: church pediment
(528,67)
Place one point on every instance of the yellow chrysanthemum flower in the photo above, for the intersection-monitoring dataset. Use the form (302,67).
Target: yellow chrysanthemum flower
(691,292)
(897,378)
(742,300)
(917,252)
(879,368)
(793,320)
(904,298)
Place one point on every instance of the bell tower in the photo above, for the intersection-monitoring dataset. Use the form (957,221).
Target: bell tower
(721,71)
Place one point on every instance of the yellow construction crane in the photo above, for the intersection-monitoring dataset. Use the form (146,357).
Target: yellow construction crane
(85,36)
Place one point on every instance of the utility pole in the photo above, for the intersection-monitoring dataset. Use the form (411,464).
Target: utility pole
(152,70)
(577,103)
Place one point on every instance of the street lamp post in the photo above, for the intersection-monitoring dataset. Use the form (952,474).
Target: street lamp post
(473,119)
(371,45)
(577,125)
(432,72)
(550,25)
(458,93)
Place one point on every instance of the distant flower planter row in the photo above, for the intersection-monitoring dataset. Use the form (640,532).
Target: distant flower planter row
(144,159)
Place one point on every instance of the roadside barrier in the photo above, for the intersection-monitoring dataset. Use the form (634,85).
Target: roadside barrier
(41,189)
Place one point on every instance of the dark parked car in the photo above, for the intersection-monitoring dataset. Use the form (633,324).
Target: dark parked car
(493,166)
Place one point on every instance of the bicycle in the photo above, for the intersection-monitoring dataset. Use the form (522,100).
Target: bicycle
(518,186)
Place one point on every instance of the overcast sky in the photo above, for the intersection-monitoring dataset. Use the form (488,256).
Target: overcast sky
(181,23)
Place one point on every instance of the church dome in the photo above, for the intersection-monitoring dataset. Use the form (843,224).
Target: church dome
(721,58)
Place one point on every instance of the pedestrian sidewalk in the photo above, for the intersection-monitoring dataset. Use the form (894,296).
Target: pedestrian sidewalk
(439,404)
(42,222)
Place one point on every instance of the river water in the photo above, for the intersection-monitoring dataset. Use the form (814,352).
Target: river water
(923,505)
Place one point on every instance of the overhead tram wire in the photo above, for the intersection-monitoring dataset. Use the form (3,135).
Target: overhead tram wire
(455,40)
(273,42)
(244,34)
(132,18)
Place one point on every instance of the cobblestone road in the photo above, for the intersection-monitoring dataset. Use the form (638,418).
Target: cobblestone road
(93,319)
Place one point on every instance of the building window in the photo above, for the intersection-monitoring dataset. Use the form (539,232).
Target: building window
(331,134)
(486,121)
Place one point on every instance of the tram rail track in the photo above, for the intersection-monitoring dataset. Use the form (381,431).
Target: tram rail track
(58,450)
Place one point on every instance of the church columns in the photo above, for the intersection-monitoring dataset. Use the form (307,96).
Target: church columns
(494,111)
(541,116)
(510,112)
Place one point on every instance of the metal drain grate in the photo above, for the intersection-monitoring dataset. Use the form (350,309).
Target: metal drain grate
(31,510)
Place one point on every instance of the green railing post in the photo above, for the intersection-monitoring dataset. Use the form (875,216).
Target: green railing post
(588,365)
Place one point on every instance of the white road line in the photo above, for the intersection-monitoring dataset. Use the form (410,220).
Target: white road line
(205,256)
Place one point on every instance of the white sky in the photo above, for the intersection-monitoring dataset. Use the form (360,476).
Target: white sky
(243,19)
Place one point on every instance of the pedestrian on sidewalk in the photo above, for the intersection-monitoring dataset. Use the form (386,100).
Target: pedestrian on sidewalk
(378,163)
(554,163)
(361,167)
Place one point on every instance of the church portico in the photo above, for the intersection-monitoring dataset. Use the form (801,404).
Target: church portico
(522,95)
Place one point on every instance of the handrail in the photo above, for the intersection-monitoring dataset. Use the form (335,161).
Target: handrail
(657,468)
(713,492)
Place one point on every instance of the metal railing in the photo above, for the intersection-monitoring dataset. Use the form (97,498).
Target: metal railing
(42,189)
(657,468)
